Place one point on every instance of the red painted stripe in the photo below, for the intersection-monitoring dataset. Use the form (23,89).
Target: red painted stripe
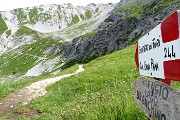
(170,28)
(136,57)
(172,69)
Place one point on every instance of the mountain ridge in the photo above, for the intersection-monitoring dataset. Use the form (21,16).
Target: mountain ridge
(51,17)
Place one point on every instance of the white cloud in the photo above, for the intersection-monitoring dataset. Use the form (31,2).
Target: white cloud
(12,4)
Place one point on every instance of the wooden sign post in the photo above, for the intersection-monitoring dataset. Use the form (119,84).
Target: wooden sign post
(158,56)
(156,99)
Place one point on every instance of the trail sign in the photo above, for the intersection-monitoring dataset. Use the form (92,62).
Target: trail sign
(156,99)
(158,52)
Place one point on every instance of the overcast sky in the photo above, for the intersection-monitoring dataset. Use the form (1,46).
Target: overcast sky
(11,4)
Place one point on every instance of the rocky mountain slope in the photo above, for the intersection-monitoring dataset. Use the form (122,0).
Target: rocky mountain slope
(130,20)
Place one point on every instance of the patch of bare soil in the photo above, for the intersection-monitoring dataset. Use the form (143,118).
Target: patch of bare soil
(28,112)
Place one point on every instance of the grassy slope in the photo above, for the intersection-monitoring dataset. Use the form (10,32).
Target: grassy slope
(103,91)
(15,64)
(136,9)
(20,60)
(127,9)
(3,26)
(77,30)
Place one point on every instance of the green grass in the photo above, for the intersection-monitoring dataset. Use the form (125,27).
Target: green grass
(102,91)
(132,9)
(15,64)
(3,26)
(75,19)
(136,9)
(37,48)
(155,9)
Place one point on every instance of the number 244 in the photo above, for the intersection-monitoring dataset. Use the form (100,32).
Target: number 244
(169,52)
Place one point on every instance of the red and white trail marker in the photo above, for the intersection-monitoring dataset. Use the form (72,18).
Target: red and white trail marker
(158,52)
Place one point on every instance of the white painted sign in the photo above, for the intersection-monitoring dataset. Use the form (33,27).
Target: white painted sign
(153,52)
(156,99)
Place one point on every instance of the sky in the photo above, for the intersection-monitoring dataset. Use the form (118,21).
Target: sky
(12,4)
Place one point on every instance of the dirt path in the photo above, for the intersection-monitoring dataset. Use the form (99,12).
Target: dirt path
(30,92)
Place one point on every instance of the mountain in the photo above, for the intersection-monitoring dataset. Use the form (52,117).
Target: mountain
(32,38)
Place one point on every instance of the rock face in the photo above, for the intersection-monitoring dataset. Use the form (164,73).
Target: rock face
(111,38)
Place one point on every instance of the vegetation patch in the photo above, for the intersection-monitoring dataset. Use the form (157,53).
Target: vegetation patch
(132,9)
(82,16)
(88,14)
(75,19)
(3,26)
(97,10)
(25,31)
(15,64)
(59,15)
(33,16)
(37,48)
(8,33)
(155,8)
(22,17)
(135,9)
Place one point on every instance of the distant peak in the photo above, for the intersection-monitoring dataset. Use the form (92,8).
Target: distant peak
(67,5)
(91,4)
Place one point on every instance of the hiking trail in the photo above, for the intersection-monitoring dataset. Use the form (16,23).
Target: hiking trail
(30,92)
